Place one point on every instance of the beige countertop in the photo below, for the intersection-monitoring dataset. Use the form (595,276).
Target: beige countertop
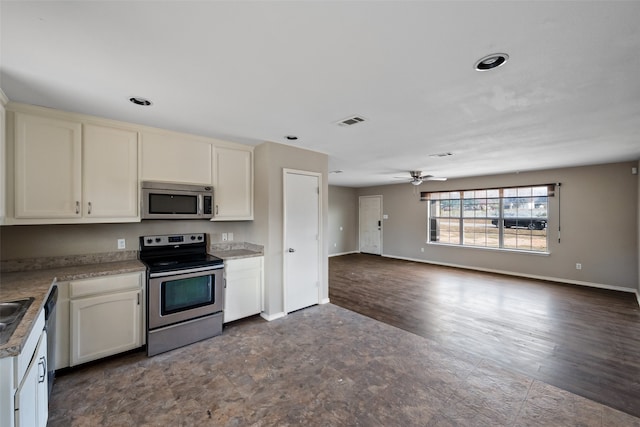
(236,250)
(236,254)
(37,284)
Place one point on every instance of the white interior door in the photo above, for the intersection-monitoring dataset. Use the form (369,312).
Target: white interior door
(370,213)
(301,239)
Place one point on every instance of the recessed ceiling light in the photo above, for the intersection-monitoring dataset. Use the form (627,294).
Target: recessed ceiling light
(492,61)
(140,101)
(336,171)
(291,137)
(447,154)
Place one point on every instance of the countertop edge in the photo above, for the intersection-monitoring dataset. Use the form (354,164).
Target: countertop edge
(236,254)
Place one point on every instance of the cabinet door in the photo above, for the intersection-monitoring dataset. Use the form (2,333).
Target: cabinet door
(167,157)
(47,167)
(233,184)
(32,398)
(104,325)
(110,172)
(243,291)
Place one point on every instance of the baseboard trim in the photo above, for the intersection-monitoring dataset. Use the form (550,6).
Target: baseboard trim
(324,301)
(529,276)
(270,317)
(344,253)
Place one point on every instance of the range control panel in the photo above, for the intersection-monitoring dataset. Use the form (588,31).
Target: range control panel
(172,239)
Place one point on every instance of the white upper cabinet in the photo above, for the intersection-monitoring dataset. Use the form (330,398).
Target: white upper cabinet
(233,184)
(65,168)
(47,167)
(62,175)
(110,172)
(175,158)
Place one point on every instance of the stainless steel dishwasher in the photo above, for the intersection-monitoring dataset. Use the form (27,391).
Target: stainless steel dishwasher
(50,326)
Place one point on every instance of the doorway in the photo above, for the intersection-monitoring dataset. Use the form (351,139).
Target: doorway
(370,224)
(302,240)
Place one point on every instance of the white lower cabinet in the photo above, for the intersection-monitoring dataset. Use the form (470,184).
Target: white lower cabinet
(106,316)
(32,399)
(243,288)
(23,382)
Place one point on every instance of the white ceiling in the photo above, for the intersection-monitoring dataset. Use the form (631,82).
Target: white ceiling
(257,71)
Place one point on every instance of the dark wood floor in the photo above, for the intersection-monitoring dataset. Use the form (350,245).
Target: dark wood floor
(583,340)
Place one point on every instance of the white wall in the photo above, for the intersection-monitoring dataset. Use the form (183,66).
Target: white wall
(269,161)
(343,220)
(638,241)
(3,102)
(600,226)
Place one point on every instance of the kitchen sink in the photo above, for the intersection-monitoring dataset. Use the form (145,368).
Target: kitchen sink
(11,313)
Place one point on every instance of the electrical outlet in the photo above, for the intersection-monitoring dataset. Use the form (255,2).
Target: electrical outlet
(578,266)
(421,249)
(121,244)
(224,237)
(230,236)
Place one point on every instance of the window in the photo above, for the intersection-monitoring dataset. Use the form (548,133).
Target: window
(502,218)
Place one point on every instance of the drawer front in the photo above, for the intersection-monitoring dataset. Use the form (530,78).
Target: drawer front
(104,284)
(243,264)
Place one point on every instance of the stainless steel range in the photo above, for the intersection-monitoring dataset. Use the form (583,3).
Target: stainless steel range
(185,291)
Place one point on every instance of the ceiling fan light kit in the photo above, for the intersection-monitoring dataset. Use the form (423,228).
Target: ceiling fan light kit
(417,178)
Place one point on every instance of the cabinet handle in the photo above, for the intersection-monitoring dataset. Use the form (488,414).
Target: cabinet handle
(77,207)
(43,363)
(216,209)
(138,298)
(89,211)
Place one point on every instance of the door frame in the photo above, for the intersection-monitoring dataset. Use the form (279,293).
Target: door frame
(285,172)
(379,196)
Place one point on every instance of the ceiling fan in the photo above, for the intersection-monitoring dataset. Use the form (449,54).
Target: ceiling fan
(417,178)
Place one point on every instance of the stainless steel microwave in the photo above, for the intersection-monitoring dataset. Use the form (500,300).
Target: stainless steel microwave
(168,200)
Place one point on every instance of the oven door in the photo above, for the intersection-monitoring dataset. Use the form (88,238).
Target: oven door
(175,297)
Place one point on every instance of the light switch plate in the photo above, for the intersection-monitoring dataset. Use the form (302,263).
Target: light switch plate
(224,237)
(121,244)
(230,236)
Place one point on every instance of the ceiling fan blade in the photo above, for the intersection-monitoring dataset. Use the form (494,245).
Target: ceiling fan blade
(433,178)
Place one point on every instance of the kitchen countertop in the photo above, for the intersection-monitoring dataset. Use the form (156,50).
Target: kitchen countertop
(236,250)
(38,283)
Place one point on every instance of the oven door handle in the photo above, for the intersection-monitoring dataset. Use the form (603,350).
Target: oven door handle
(190,270)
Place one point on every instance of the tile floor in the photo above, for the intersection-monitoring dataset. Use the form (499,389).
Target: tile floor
(322,366)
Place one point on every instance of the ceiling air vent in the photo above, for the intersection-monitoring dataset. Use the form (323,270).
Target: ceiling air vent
(350,121)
